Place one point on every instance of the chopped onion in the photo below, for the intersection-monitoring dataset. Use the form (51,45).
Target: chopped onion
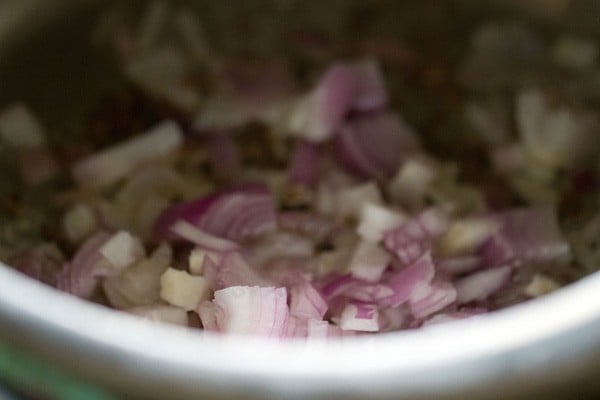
(540,285)
(360,317)
(139,285)
(82,274)
(234,270)
(79,222)
(182,289)
(202,239)
(375,146)
(343,88)
(467,235)
(198,258)
(375,220)
(237,213)
(481,285)
(122,250)
(351,200)
(412,239)
(417,275)
(307,302)
(554,137)
(411,182)
(113,164)
(369,261)
(245,310)
(528,235)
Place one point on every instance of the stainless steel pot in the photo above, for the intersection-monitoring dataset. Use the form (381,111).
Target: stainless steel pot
(547,348)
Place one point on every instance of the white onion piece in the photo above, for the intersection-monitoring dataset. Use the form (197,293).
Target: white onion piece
(540,285)
(557,136)
(481,285)
(412,181)
(317,329)
(360,317)
(122,250)
(161,313)
(350,201)
(20,128)
(182,289)
(198,258)
(467,235)
(369,261)
(113,164)
(79,222)
(203,239)
(245,310)
(139,285)
(428,299)
(375,220)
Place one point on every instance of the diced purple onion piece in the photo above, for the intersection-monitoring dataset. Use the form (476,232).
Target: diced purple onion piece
(81,275)
(531,235)
(307,302)
(375,146)
(429,299)
(371,93)
(236,213)
(235,271)
(404,283)
(413,238)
